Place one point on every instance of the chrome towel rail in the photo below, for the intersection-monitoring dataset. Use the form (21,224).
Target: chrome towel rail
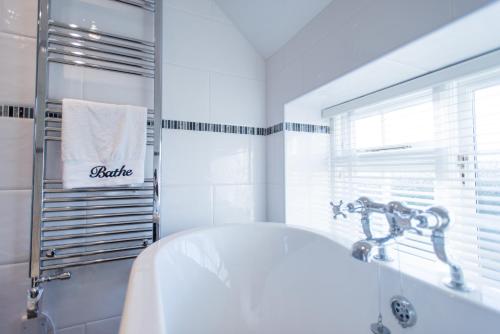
(102,50)
(88,262)
(145,4)
(95,225)
(96,216)
(89,226)
(93,243)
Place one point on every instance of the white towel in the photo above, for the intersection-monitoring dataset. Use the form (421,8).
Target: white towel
(103,144)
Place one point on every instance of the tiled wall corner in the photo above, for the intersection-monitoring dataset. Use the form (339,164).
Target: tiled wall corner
(307,178)
(211,176)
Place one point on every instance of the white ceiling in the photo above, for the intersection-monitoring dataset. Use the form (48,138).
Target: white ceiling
(269,24)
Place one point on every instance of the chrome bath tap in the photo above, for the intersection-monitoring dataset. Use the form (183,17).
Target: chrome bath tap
(399,218)
(437,220)
(402,219)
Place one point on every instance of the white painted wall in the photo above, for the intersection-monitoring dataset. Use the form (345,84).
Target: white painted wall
(345,36)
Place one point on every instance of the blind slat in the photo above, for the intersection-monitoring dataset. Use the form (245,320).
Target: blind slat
(436,146)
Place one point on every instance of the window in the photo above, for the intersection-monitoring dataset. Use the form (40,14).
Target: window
(435,145)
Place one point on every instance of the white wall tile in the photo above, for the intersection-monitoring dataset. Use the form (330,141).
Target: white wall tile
(236,100)
(217,13)
(65,81)
(204,158)
(16,152)
(461,7)
(184,207)
(186,157)
(15,283)
(413,20)
(93,292)
(275,203)
(107,326)
(239,204)
(258,159)
(119,88)
(17,66)
(186,39)
(196,7)
(186,94)
(80,329)
(18,17)
(297,205)
(15,223)
(230,158)
(224,49)
(275,158)
(281,89)
(307,158)
(231,53)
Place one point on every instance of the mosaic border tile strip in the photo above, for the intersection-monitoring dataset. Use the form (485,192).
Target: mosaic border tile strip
(274,129)
(211,127)
(20,111)
(244,130)
(311,128)
(16,111)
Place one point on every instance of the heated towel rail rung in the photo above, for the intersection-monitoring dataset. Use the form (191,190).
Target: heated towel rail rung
(145,4)
(97,207)
(98,198)
(94,243)
(94,225)
(94,234)
(96,216)
(84,263)
(98,67)
(57,181)
(92,253)
(98,33)
(92,190)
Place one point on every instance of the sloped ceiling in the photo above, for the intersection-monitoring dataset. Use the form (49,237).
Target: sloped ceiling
(270,24)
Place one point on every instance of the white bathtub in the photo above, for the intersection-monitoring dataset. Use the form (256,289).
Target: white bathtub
(272,278)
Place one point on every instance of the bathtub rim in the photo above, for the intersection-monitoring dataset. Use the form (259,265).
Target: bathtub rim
(431,281)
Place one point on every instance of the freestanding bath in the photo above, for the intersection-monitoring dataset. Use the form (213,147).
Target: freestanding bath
(272,278)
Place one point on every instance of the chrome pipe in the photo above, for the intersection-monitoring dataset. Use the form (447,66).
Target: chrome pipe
(57,181)
(99,33)
(96,216)
(38,137)
(92,253)
(99,58)
(117,44)
(87,190)
(54,129)
(82,45)
(94,243)
(57,139)
(59,102)
(97,198)
(94,225)
(147,5)
(98,67)
(158,106)
(84,263)
(149,134)
(94,234)
(96,207)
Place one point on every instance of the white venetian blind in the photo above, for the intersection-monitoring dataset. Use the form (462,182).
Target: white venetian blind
(437,144)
